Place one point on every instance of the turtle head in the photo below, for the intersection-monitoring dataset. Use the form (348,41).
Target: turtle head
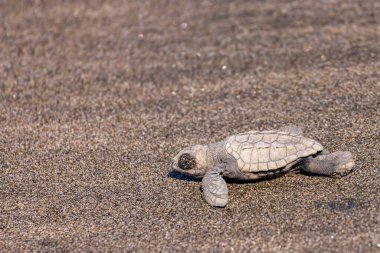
(191,161)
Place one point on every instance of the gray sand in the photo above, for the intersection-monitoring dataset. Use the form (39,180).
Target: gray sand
(96,98)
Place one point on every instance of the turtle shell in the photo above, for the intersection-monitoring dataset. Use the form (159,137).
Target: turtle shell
(260,151)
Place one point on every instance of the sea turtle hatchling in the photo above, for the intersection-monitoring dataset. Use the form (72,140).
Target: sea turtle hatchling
(257,154)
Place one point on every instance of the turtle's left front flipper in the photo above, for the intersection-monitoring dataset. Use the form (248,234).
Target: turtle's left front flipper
(291,129)
(214,187)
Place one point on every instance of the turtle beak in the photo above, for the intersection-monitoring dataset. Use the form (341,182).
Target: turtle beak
(173,166)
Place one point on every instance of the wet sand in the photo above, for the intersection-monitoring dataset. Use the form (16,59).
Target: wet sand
(96,98)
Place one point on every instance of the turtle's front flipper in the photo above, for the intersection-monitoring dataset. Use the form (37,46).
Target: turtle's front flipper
(336,164)
(291,129)
(214,187)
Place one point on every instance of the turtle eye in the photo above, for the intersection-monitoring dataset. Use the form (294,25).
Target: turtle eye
(186,161)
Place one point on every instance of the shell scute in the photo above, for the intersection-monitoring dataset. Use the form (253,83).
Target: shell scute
(255,137)
(270,137)
(265,151)
(263,167)
(242,138)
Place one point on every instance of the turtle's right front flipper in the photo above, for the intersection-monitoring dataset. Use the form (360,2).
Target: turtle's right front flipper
(214,187)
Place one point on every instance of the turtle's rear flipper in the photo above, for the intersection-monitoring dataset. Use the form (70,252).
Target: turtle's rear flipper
(214,187)
(336,164)
(291,129)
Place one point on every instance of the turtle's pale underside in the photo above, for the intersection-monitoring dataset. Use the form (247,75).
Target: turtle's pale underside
(257,154)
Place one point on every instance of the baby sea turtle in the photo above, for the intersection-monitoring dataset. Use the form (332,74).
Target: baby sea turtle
(257,154)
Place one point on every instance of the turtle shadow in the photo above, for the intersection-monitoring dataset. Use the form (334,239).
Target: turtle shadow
(180,176)
(249,181)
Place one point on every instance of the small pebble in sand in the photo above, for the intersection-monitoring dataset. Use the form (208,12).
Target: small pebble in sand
(183,25)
